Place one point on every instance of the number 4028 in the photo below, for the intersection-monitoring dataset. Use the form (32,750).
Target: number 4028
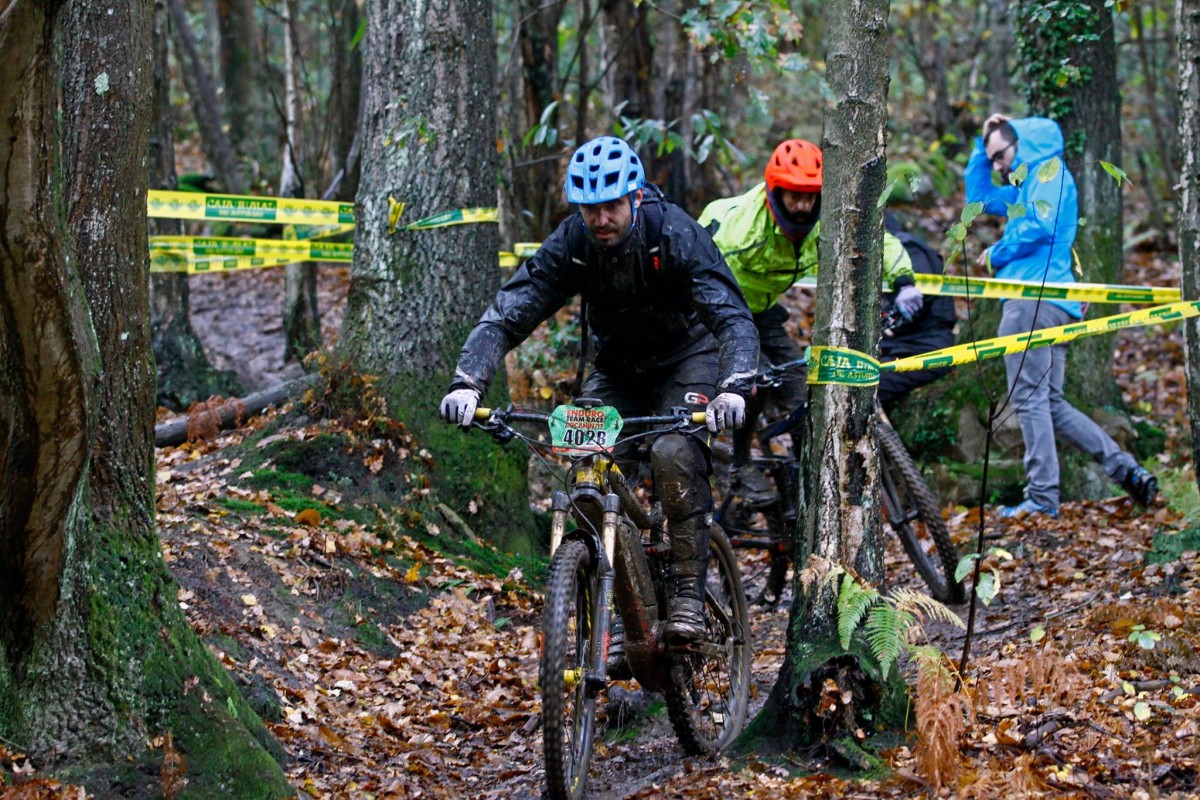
(581,437)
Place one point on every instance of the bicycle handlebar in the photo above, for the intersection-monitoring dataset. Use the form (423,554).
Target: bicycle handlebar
(513,415)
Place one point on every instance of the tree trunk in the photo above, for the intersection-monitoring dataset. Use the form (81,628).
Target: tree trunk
(534,201)
(1092,129)
(840,492)
(1187,16)
(203,97)
(95,656)
(997,49)
(345,100)
(246,104)
(301,318)
(185,375)
(430,134)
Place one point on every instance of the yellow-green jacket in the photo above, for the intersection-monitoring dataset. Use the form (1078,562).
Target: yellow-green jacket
(765,262)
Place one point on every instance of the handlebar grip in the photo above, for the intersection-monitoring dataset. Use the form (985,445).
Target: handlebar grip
(698,418)
(482,414)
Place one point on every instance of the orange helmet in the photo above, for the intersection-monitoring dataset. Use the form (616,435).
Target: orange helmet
(795,165)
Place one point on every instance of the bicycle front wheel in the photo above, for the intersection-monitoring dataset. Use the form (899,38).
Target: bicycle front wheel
(568,704)
(912,512)
(710,682)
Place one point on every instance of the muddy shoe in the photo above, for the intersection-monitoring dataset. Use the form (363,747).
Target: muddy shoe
(686,623)
(687,620)
(617,665)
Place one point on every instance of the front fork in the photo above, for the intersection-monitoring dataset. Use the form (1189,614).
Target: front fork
(598,674)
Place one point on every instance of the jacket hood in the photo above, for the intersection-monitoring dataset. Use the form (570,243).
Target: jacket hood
(1038,139)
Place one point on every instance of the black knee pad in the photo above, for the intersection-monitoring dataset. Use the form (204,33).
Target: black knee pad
(680,468)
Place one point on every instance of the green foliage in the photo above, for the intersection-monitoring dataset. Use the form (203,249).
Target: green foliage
(1169,547)
(1143,638)
(1049,34)
(853,601)
(891,621)
(1049,169)
(887,629)
(751,29)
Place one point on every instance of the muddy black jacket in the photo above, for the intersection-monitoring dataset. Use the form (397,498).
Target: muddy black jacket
(933,326)
(662,296)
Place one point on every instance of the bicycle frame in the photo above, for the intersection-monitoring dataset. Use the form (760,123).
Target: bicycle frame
(610,521)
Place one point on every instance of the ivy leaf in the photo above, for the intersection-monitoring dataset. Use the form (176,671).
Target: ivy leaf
(1016,210)
(1049,170)
(970,212)
(965,565)
(1043,208)
(1119,175)
(1018,176)
(988,587)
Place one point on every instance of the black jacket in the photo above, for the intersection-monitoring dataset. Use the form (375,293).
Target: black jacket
(664,295)
(933,326)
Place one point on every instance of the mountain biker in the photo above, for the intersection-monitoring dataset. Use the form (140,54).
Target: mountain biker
(1036,246)
(670,329)
(930,328)
(769,237)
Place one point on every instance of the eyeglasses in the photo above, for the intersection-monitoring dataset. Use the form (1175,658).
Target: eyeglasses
(996,157)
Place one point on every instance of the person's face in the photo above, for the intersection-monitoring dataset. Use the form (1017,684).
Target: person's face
(798,204)
(1001,154)
(609,222)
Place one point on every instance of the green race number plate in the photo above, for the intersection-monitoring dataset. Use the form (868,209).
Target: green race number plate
(578,431)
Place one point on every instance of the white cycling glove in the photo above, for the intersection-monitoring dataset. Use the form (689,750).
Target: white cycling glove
(908,301)
(459,406)
(726,410)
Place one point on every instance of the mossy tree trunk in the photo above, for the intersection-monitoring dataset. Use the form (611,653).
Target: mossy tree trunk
(1089,110)
(185,375)
(840,493)
(95,656)
(429,141)
(1187,15)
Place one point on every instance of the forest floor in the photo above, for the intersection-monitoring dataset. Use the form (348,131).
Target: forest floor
(388,669)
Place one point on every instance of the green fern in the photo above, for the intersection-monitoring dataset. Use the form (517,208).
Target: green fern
(887,632)
(925,607)
(853,601)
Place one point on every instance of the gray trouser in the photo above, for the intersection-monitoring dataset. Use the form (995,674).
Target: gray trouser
(1035,385)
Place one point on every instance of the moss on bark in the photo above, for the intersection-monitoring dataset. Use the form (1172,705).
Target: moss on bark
(789,720)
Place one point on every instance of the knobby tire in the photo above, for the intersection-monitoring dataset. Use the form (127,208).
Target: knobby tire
(910,493)
(708,694)
(568,705)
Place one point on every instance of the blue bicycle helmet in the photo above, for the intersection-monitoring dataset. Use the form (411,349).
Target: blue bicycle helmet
(604,169)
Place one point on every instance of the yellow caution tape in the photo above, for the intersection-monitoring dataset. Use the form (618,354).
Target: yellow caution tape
(304,232)
(851,367)
(208,254)
(248,208)
(459,216)
(976,288)
(993,288)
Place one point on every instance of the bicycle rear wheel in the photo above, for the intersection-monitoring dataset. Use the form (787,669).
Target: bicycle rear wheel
(912,512)
(568,703)
(710,682)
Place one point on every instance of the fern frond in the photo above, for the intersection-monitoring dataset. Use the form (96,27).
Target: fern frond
(887,632)
(853,601)
(925,607)
(818,572)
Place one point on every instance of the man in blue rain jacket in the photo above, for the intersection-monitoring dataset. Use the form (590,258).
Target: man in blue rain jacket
(1037,194)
